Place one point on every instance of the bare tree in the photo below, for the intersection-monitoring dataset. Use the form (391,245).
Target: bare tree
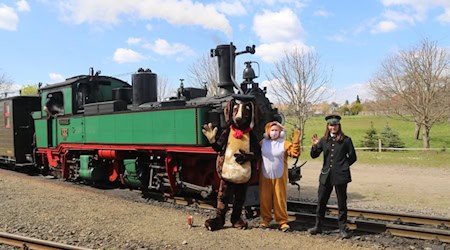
(299,81)
(5,85)
(205,71)
(415,84)
(163,88)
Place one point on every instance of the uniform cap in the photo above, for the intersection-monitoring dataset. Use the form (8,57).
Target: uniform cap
(333,119)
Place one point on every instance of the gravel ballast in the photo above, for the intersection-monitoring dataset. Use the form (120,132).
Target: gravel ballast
(54,210)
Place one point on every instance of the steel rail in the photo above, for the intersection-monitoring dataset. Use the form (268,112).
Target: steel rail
(418,232)
(32,243)
(396,218)
(362,225)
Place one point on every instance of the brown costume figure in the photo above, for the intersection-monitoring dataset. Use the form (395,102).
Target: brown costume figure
(238,155)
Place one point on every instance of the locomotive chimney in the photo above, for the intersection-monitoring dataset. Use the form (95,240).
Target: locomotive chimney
(225,57)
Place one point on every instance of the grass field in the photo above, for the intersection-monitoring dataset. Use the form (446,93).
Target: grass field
(436,159)
(356,127)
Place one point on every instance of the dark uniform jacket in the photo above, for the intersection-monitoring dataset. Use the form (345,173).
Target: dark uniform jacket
(338,157)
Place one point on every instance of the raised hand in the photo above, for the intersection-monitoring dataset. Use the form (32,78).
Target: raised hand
(315,139)
(210,132)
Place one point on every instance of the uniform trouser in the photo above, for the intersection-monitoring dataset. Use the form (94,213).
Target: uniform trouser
(324,195)
(272,193)
(231,192)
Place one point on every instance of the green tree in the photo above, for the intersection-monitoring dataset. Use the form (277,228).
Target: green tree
(370,140)
(29,90)
(390,138)
(356,108)
(344,109)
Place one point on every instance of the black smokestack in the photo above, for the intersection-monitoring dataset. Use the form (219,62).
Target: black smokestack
(226,56)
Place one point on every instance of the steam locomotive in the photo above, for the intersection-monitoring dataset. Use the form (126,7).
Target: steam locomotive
(100,129)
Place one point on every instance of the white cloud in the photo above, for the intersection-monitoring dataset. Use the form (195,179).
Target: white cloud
(234,8)
(134,40)
(444,18)
(162,47)
(277,26)
(398,16)
(296,3)
(275,51)
(56,77)
(420,8)
(175,12)
(384,27)
(340,38)
(322,13)
(23,5)
(350,92)
(15,87)
(272,86)
(8,18)
(122,55)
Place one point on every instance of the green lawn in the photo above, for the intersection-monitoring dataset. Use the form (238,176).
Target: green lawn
(356,127)
(436,159)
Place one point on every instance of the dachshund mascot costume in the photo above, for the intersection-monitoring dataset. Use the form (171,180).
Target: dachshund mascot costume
(239,153)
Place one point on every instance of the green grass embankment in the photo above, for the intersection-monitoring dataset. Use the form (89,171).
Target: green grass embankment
(356,127)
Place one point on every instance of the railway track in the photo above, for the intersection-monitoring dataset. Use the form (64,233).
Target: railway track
(396,218)
(362,220)
(32,243)
(373,221)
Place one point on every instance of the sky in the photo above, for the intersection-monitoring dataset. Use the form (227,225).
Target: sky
(50,40)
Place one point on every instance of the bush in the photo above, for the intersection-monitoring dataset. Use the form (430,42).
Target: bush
(371,138)
(390,138)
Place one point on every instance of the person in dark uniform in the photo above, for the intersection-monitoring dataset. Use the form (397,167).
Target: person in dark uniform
(53,105)
(338,155)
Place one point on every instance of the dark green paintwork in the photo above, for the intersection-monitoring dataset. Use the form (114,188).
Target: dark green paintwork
(41,133)
(91,171)
(180,126)
(151,127)
(167,127)
(131,176)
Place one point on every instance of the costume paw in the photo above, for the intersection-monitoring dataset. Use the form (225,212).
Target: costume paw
(214,224)
(210,132)
(296,135)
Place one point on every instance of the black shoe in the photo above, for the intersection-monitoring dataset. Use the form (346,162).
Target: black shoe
(345,234)
(315,230)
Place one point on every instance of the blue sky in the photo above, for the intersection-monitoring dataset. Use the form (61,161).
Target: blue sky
(50,40)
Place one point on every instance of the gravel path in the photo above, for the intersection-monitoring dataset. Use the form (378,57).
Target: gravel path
(419,189)
(55,210)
